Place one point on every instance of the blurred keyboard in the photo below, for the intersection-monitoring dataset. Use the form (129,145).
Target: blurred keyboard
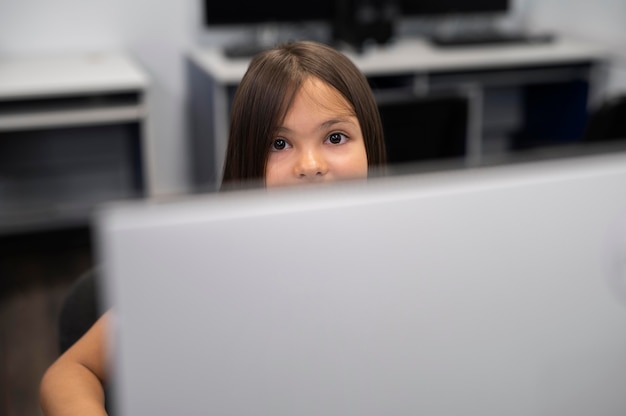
(490,39)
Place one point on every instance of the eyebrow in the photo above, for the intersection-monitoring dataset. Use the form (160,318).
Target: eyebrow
(326,124)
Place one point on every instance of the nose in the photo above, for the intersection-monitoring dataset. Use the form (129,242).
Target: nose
(311,165)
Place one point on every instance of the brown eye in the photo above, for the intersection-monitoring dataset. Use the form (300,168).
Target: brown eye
(279,144)
(336,138)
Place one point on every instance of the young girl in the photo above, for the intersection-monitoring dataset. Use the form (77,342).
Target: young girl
(292,95)
(303,114)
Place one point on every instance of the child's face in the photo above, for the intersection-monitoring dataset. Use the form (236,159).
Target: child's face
(319,141)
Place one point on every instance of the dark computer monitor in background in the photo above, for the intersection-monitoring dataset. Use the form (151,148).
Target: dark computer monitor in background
(259,15)
(486,12)
(358,22)
(243,12)
(353,22)
(361,22)
(419,8)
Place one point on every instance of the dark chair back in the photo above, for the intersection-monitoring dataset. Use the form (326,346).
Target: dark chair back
(425,128)
(608,123)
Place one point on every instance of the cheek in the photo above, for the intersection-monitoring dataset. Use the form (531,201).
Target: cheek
(354,164)
(274,173)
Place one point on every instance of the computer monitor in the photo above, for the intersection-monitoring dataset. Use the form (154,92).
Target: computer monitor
(421,8)
(475,24)
(266,18)
(496,291)
(245,12)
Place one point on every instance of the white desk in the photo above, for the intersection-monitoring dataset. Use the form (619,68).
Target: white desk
(474,70)
(58,75)
(418,56)
(72,135)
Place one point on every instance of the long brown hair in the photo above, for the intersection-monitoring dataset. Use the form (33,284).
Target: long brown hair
(266,92)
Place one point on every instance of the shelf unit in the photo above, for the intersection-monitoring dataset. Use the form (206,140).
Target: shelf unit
(72,136)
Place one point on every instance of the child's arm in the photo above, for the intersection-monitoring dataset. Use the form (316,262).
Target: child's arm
(73,385)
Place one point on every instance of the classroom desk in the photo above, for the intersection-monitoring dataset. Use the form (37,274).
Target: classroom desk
(72,135)
(490,76)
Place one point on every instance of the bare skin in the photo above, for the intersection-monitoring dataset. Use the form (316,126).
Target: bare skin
(73,385)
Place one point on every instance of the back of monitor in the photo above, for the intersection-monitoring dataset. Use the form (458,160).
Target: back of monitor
(483,292)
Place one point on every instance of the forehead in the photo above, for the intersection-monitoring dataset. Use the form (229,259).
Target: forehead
(319,93)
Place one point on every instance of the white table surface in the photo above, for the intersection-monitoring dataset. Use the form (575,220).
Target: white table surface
(68,74)
(417,55)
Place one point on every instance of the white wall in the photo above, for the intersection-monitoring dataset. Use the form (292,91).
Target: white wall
(601,21)
(598,20)
(31,26)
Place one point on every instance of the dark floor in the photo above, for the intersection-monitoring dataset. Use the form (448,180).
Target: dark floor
(36,271)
